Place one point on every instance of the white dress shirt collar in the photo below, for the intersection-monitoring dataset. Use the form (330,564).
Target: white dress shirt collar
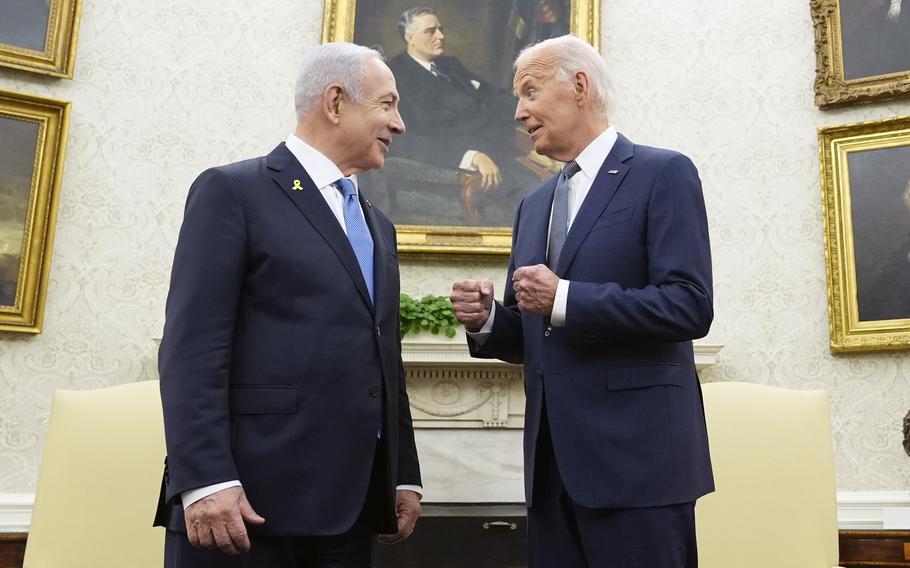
(321,170)
(422,63)
(594,154)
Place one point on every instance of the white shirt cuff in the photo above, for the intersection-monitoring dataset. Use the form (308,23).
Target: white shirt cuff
(467,161)
(415,488)
(193,495)
(558,315)
(480,336)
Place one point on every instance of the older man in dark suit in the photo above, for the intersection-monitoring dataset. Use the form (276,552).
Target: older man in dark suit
(453,120)
(609,283)
(287,421)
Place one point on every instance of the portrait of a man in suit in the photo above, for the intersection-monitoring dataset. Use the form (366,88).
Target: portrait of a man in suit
(880,203)
(17,158)
(463,162)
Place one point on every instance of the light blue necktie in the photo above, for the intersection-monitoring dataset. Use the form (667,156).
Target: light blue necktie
(357,230)
(559,221)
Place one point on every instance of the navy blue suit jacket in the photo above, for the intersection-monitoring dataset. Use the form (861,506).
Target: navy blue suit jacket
(622,396)
(276,368)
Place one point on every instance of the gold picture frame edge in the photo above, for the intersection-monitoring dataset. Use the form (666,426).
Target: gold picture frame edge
(831,89)
(845,334)
(43,206)
(453,243)
(61,59)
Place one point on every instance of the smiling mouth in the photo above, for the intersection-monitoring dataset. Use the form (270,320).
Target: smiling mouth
(534,129)
(386,143)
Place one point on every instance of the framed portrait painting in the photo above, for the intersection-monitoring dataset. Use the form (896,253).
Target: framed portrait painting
(862,50)
(452,182)
(865,174)
(32,145)
(39,35)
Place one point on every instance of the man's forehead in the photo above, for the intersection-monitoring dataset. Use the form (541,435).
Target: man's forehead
(534,67)
(425,21)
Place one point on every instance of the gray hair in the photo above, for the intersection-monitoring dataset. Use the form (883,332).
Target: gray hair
(407,18)
(337,62)
(572,54)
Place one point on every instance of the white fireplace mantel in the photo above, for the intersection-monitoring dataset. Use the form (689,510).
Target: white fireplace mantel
(450,389)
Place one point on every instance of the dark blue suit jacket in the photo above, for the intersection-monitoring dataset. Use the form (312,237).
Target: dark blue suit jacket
(622,396)
(276,369)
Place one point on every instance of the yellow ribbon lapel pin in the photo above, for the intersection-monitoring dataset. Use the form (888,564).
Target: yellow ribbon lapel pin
(296,186)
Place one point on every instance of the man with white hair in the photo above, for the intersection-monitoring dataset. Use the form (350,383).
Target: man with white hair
(609,282)
(287,423)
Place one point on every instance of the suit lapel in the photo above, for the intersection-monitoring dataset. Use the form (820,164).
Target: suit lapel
(288,174)
(381,250)
(608,179)
(536,224)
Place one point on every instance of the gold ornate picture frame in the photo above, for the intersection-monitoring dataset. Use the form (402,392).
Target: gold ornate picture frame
(453,217)
(40,37)
(33,134)
(865,178)
(862,51)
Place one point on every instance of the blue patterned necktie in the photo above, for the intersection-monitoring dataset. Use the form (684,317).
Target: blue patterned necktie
(357,230)
(559,221)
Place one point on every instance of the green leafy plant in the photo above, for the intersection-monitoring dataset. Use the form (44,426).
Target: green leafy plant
(433,313)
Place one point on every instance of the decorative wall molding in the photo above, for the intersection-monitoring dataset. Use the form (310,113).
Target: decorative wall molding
(856,510)
(437,350)
(450,389)
(864,510)
(16,512)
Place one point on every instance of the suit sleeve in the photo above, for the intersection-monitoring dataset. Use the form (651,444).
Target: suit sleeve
(676,304)
(506,339)
(408,462)
(195,354)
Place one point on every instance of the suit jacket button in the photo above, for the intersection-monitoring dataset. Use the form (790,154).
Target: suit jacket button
(547,333)
(378,332)
(375,391)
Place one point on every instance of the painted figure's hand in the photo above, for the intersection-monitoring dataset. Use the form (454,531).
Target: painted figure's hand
(489,171)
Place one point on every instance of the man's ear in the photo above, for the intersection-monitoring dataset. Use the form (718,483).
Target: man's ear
(581,86)
(332,99)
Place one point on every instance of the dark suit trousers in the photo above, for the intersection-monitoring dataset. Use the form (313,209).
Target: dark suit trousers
(563,534)
(351,549)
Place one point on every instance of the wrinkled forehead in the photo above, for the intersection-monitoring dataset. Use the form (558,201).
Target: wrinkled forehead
(536,66)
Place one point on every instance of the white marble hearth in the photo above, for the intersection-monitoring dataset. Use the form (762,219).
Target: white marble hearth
(469,414)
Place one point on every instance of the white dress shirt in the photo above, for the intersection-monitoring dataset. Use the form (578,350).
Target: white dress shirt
(590,160)
(324,174)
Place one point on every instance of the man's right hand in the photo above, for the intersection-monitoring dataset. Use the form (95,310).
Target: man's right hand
(489,171)
(217,522)
(472,301)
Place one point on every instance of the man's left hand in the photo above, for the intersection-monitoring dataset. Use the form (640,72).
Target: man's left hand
(535,289)
(407,509)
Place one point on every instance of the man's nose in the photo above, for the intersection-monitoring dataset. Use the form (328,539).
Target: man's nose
(397,123)
(521,113)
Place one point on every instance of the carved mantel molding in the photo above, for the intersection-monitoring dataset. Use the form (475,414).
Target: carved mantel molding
(450,389)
